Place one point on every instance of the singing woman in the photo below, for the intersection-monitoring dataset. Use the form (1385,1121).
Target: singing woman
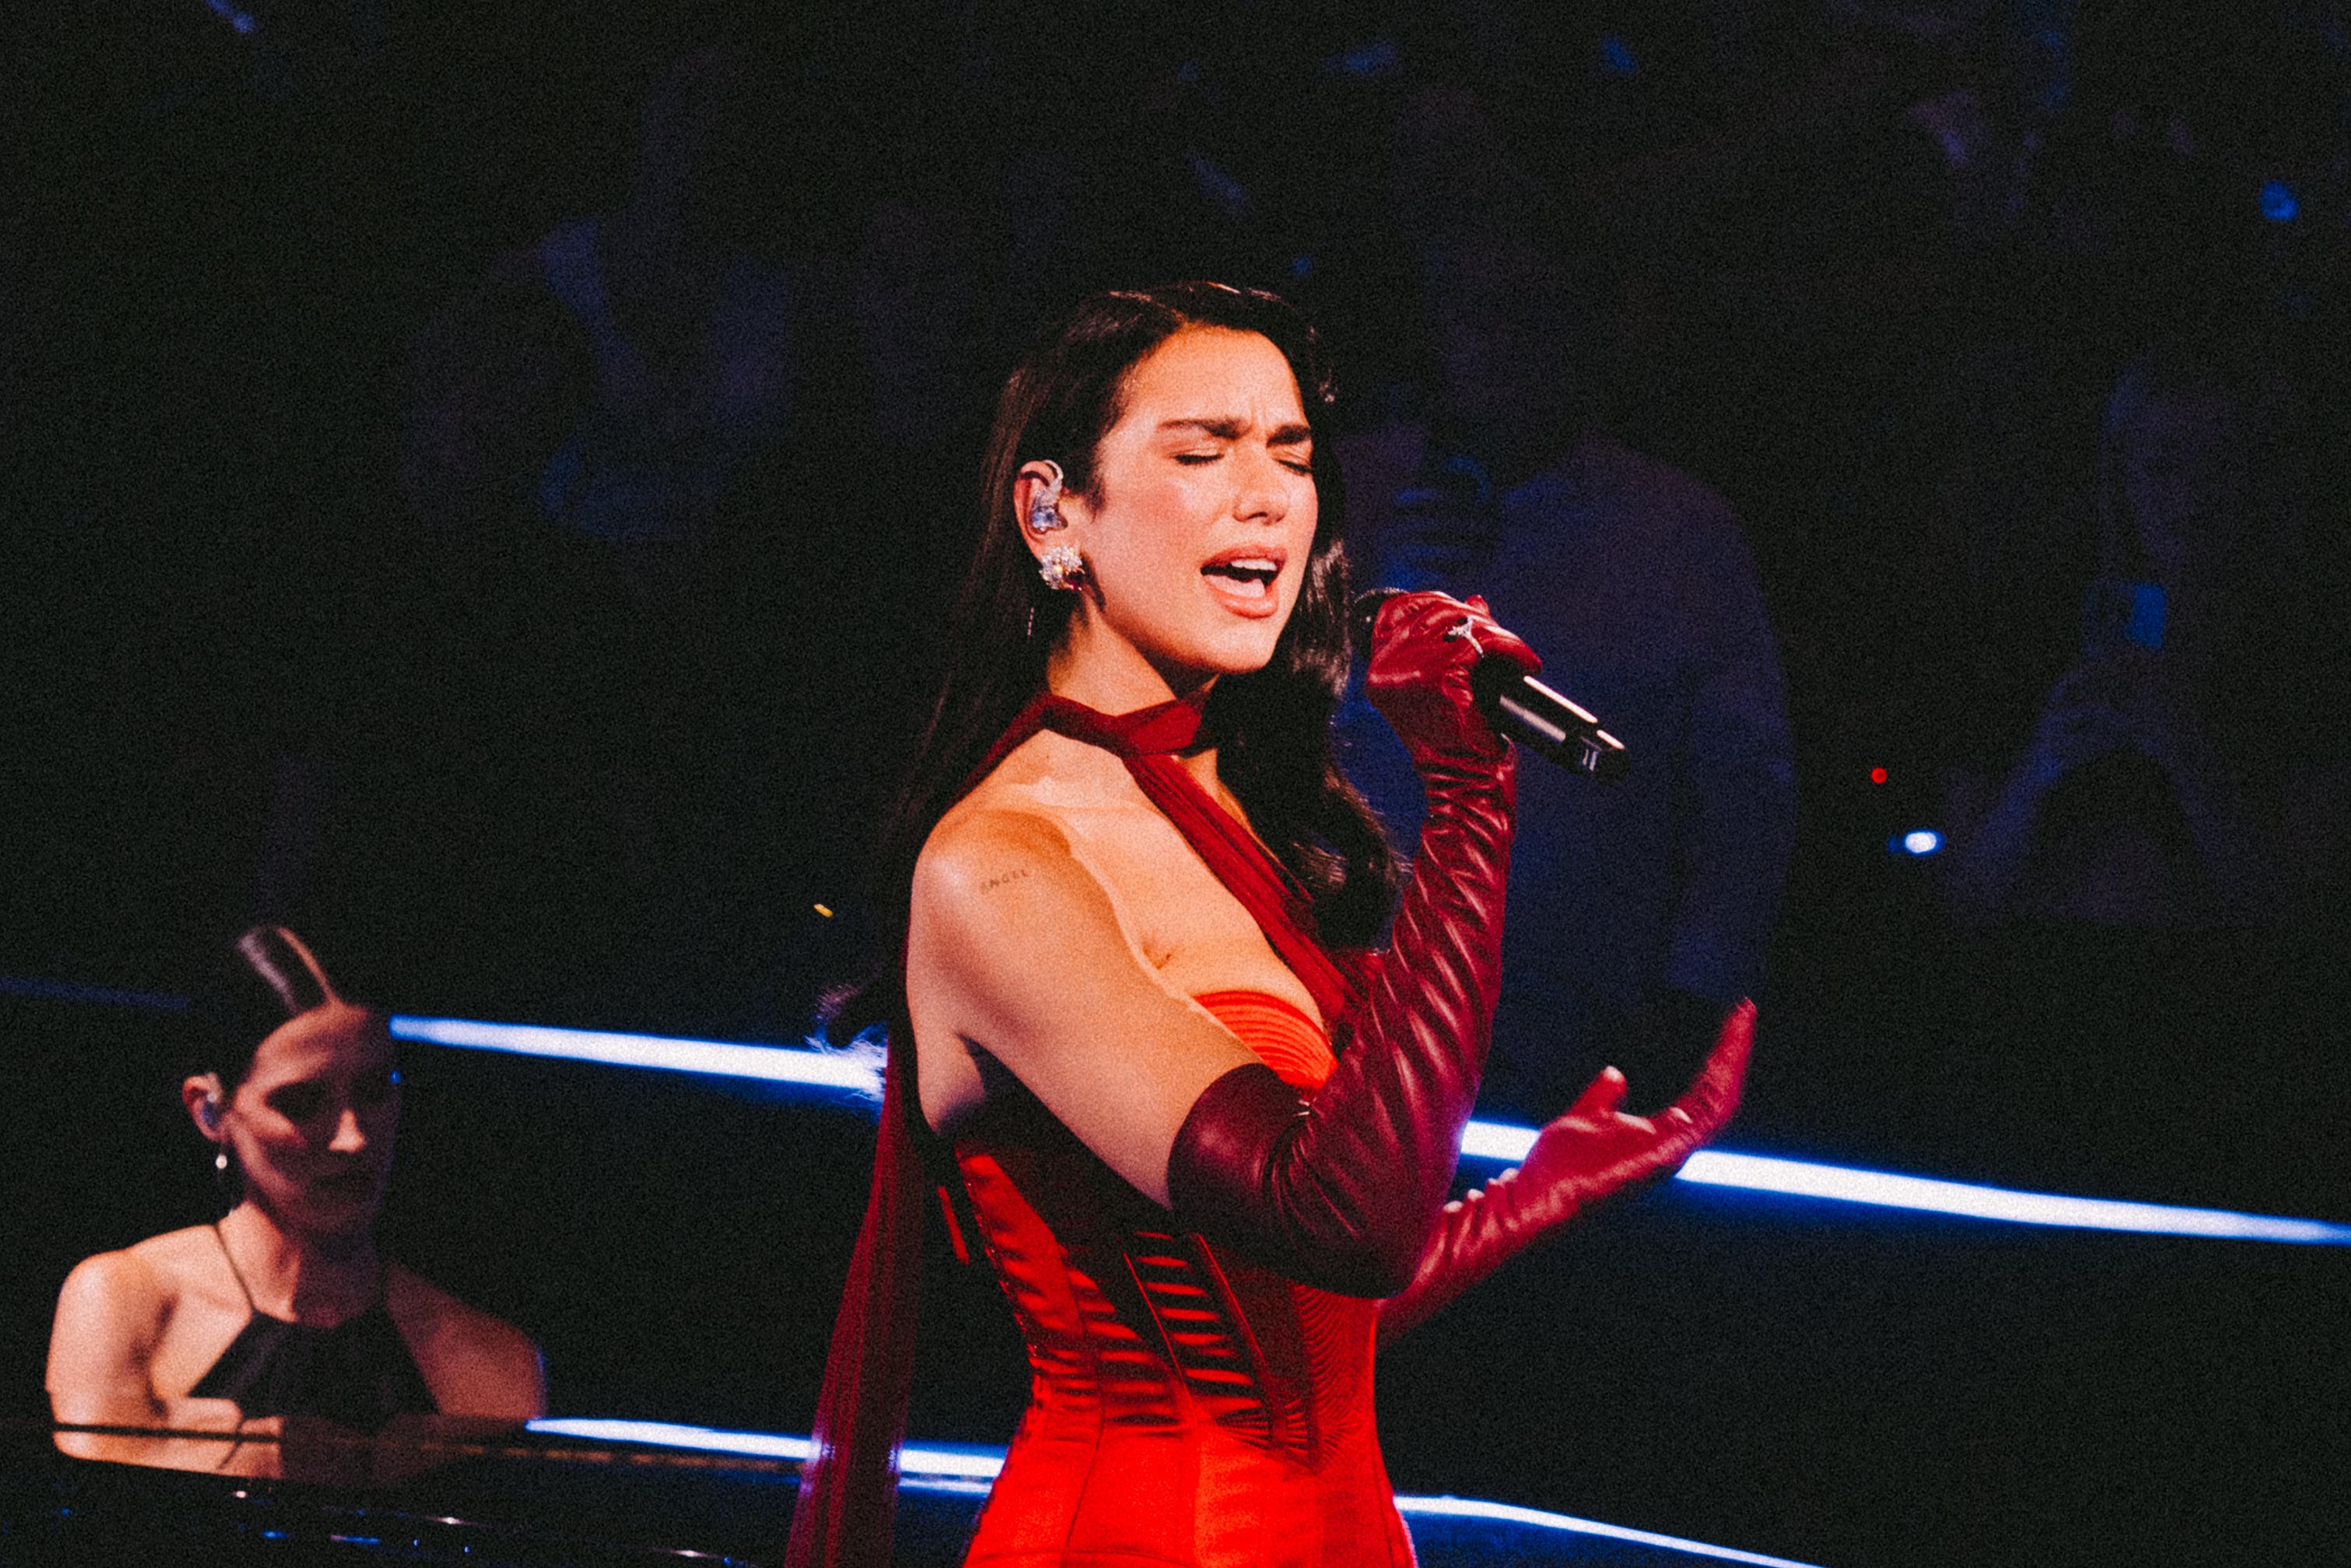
(1207,1134)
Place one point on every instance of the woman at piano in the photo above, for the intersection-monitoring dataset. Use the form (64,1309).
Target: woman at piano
(286,1305)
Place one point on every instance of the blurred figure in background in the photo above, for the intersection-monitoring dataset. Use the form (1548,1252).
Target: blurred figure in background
(2178,773)
(1637,913)
(284,1306)
(612,378)
(592,791)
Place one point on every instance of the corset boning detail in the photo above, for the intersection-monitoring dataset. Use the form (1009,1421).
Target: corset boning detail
(1185,1406)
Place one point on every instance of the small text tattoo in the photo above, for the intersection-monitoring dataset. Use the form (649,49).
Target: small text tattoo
(993,882)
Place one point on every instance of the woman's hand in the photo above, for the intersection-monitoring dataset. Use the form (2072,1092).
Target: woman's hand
(2082,720)
(1594,1149)
(1424,646)
(1587,1154)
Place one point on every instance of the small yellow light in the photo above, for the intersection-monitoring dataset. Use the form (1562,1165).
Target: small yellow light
(821,909)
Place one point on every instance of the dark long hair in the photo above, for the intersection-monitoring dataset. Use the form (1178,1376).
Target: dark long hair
(1273,725)
(267,976)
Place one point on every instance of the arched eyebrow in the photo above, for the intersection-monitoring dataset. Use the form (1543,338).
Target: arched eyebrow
(1297,434)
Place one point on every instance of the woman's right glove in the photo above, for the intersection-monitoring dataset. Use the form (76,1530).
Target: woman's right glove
(1578,1159)
(1342,1192)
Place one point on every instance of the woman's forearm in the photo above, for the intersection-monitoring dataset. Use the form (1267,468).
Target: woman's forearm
(1342,1192)
(1990,850)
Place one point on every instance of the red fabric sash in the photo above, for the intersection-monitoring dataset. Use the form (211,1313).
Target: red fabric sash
(849,1488)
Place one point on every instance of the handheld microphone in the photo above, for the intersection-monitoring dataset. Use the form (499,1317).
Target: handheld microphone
(1518,706)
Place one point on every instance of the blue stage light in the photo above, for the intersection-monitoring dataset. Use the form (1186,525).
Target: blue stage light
(1507,1145)
(967,1467)
(1801,1179)
(1917,842)
(668,1434)
(856,1070)
(2279,203)
(1616,56)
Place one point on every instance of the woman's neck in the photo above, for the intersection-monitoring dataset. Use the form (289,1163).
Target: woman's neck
(305,1278)
(1096,666)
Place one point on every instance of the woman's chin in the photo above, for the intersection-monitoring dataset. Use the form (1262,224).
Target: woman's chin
(339,1212)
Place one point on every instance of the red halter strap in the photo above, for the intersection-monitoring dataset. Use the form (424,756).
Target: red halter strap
(1149,742)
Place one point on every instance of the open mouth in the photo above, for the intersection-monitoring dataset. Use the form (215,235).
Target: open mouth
(1244,576)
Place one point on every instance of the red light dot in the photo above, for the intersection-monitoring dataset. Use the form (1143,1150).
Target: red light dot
(1877,776)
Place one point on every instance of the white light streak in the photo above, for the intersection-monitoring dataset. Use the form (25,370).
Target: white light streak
(948,1461)
(1506,1144)
(1496,1141)
(855,1070)
(858,1071)
(1756,1173)
(667,1435)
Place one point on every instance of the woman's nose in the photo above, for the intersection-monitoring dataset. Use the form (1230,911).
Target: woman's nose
(350,1138)
(1264,496)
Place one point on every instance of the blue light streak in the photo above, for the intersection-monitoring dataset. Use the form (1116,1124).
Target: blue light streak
(669,1435)
(1801,1178)
(1506,1144)
(2279,203)
(858,1071)
(967,1467)
(936,1461)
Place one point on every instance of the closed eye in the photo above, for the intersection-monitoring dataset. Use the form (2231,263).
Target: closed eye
(298,1102)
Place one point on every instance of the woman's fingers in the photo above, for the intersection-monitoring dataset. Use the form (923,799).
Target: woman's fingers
(1714,1096)
(1600,1097)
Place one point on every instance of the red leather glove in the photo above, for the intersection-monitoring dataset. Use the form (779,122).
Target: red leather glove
(1342,1192)
(1425,698)
(1578,1159)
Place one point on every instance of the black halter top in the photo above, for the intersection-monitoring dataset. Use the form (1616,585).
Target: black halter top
(360,1373)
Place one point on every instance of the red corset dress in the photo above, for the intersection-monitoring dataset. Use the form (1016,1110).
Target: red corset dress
(1186,1406)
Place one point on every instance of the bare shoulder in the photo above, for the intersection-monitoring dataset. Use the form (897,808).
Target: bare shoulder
(119,1289)
(991,844)
(146,1278)
(113,1312)
(475,1363)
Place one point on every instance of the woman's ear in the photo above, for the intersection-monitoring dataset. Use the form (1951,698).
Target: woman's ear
(1039,503)
(202,1095)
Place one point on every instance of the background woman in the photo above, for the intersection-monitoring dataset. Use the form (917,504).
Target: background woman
(284,1306)
(1139,891)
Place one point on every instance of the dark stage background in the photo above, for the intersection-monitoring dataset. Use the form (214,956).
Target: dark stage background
(288,631)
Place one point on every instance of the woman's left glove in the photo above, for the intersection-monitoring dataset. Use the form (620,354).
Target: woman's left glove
(1583,1156)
